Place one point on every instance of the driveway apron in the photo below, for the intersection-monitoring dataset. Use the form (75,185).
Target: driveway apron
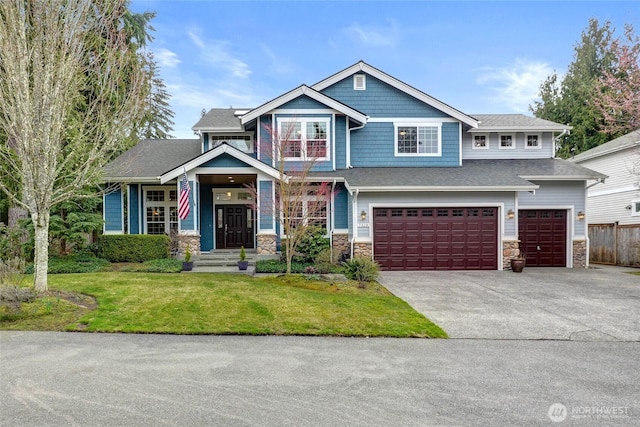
(538,304)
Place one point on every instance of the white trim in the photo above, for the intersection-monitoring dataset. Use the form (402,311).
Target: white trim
(303,137)
(303,112)
(418,125)
(509,147)
(333,141)
(212,154)
(297,92)
(524,128)
(231,134)
(635,203)
(526,141)
(412,120)
(558,177)
(392,81)
(531,187)
(340,231)
(165,204)
(487,140)
(359,81)
(618,190)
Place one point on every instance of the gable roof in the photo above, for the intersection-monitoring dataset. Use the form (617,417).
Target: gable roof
(515,123)
(311,93)
(632,139)
(212,154)
(150,158)
(362,66)
(221,119)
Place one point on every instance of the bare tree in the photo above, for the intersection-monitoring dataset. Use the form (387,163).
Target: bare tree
(301,202)
(69,93)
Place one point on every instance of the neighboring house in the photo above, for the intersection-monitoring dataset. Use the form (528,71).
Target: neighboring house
(613,207)
(419,185)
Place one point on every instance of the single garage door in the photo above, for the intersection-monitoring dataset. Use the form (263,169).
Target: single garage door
(436,238)
(543,237)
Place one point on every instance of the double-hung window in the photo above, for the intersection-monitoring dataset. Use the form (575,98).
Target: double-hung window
(418,139)
(480,141)
(532,141)
(507,141)
(161,210)
(304,138)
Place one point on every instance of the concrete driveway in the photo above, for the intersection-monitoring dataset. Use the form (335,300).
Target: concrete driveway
(538,304)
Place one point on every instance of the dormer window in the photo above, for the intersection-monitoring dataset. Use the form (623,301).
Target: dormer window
(480,142)
(359,82)
(532,141)
(507,142)
(242,142)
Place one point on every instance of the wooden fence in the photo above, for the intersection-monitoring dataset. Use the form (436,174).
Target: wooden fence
(614,244)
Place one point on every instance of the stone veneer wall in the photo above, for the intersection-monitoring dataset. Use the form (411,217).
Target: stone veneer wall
(579,254)
(190,240)
(266,244)
(362,249)
(510,250)
(340,243)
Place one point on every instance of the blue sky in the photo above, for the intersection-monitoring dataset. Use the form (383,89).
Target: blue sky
(477,56)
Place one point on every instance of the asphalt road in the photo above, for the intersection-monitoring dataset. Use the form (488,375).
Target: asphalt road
(77,379)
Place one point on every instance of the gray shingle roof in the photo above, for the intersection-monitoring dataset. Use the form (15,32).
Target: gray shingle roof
(150,158)
(221,119)
(498,174)
(515,122)
(629,140)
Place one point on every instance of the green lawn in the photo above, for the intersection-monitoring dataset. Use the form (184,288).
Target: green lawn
(228,304)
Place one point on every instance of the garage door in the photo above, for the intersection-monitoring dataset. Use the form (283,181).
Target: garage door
(436,238)
(543,237)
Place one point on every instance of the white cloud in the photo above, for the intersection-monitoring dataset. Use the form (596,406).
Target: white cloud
(218,53)
(374,36)
(514,86)
(166,58)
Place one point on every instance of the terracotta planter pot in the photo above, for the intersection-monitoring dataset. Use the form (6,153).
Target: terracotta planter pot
(517,265)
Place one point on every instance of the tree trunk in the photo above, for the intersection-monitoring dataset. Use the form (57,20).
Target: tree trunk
(16,214)
(41,262)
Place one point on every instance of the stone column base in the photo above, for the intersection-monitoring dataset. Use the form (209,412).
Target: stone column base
(510,250)
(340,245)
(188,240)
(266,244)
(579,254)
(363,249)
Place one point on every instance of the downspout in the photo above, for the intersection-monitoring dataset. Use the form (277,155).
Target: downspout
(333,217)
(586,222)
(555,140)
(349,130)
(354,221)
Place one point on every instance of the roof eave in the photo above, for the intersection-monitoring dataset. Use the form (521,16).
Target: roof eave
(447,188)
(518,129)
(562,177)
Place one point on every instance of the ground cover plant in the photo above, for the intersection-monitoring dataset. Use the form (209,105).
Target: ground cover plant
(209,303)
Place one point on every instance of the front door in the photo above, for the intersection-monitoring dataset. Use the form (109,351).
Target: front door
(234,227)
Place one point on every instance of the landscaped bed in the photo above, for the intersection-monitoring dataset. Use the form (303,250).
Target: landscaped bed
(220,304)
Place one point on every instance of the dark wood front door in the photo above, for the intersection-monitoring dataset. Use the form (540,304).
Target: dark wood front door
(543,237)
(234,227)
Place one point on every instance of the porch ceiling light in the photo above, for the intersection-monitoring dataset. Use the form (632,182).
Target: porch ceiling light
(511,214)
(581,216)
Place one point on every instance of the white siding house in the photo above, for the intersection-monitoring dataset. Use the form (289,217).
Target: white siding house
(618,198)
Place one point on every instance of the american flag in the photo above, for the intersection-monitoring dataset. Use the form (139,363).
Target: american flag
(183,202)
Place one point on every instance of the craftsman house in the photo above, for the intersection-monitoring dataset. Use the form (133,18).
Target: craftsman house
(418,184)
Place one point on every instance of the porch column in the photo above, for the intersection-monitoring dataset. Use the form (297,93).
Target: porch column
(266,235)
(188,235)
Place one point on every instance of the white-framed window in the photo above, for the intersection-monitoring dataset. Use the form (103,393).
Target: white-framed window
(243,142)
(507,141)
(532,141)
(310,211)
(304,138)
(480,142)
(359,82)
(421,139)
(161,210)
(635,207)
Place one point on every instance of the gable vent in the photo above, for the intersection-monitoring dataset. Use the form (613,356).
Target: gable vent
(359,82)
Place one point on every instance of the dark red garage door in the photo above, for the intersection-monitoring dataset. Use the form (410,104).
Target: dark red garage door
(543,237)
(436,238)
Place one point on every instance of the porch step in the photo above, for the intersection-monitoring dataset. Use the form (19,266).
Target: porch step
(225,259)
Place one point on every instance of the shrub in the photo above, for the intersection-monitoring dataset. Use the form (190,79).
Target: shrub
(132,247)
(312,244)
(81,263)
(163,265)
(11,271)
(362,269)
